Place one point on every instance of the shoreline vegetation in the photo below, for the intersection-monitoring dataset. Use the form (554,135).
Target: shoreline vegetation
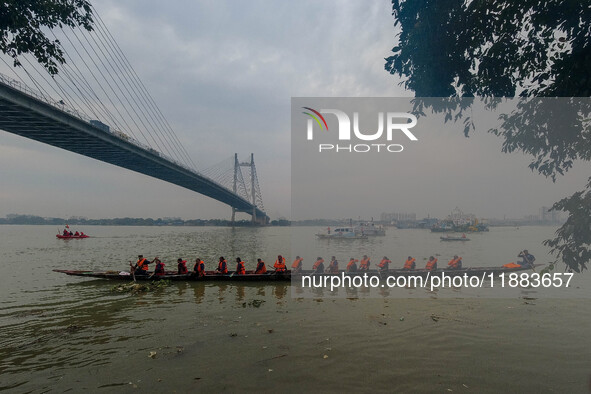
(17,219)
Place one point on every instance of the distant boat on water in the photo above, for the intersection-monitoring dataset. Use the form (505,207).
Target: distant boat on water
(341,233)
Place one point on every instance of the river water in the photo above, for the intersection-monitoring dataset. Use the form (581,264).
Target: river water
(63,333)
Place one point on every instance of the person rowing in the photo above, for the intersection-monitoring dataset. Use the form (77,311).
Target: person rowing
(199,268)
(182,267)
(240,268)
(364,265)
(352,265)
(318,267)
(141,266)
(261,268)
(455,263)
(333,267)
(431,264)
(527,259)
(296,267)
(222,266)
(159,269)
(409,264)
(280,264)
(384,265)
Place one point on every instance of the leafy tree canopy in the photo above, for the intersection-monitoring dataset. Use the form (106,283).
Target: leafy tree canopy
(506,48)
(24,24)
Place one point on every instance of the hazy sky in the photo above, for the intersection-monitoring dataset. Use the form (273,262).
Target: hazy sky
(223,73)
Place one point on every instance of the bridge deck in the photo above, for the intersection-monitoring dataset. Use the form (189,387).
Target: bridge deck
(29,117)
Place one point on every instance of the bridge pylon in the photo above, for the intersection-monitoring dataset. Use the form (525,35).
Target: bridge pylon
(250,191)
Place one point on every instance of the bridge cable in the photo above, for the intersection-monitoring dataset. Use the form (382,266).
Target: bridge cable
(138,82)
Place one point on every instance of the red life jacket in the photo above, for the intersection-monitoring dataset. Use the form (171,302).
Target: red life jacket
(240,270)
(183,267)
(431,265)
(409,264)
(159,270)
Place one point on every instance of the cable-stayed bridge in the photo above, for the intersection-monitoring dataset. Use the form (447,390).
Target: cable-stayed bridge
(105,112)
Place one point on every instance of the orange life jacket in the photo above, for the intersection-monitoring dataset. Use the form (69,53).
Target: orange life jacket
(297,264)
(240,270)
(261,268)
(409,264)
(223,267)
(352,266)
(384,263)
(142,264)
(455,263)
(364,264)
(511,265)
(279,266)
(317,264)
(200,267)
(431,265)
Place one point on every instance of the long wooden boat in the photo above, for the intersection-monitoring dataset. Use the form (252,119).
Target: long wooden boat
(60,236)
(250,276)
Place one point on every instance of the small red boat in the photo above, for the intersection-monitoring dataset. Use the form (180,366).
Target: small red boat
(60,236)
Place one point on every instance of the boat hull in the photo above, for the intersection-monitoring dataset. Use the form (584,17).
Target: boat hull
(211,276)
(71,236)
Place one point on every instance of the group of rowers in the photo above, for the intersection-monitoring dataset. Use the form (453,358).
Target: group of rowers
(141,267)
(68,233)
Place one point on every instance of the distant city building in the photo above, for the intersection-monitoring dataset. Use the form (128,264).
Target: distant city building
(398,217)
(547,215)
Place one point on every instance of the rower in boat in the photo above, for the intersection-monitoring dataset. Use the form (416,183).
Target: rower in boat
(384,264)
(409,264)
(76,234)
(199,268)
(455,263)
(280,264)
(296,267)
(222,266)
(261,268)
(141,266)
(182,267)
(333,267)
(318,266)
(431,264)
(352,265)
(364,265)
(159,269)
(527,260)
(240,268)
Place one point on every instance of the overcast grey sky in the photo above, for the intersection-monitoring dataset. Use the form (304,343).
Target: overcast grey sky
(223,73)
